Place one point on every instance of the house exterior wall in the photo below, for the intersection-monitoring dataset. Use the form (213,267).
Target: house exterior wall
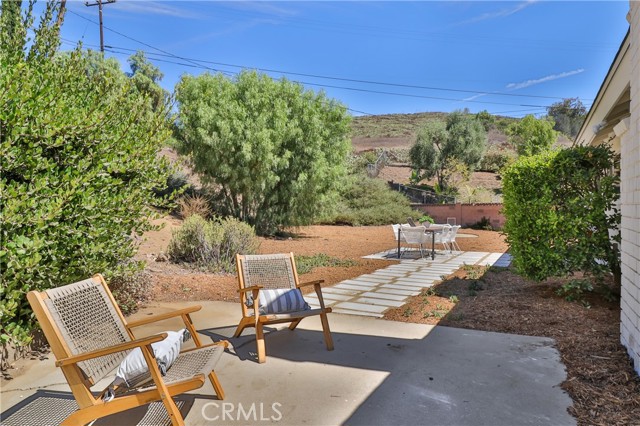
(630,202)
(465,214)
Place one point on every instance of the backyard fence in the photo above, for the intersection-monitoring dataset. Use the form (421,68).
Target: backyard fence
(421,196)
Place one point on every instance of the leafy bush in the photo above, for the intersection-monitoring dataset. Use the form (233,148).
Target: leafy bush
(176,182)
(211,245)
(367,201)
(559,208)
(496,159)
(574,290)
(130,285)
(78,153)
(272,152)
(531,136)
(484,224)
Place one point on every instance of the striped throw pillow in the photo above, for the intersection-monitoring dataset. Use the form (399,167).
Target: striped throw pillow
(280,301)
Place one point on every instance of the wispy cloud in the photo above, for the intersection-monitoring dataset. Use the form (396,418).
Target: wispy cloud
(154,7)
(499,13)
(527,83)
(232,29)
(263,7)
(479,95)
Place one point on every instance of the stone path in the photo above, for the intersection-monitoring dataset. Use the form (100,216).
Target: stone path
(372,294)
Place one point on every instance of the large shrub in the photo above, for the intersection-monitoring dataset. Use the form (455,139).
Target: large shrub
(560,207)
(531,136)
(272,152)
(212,244)
(367,201)
(78,164)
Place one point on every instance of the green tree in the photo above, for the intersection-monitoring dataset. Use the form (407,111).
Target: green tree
(273,153)
(77,164)
(569,114)
(488,121)
(461,138)
(146,77)
(531,136)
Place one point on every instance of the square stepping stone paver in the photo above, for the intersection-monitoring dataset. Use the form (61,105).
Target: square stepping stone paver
(388,296)
(396,291)
(333,290)
(404,287)
(380,302)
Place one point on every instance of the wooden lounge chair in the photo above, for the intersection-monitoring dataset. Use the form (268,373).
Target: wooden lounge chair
(274,272)
(90,337)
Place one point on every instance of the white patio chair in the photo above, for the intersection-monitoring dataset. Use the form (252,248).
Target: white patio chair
(452,238)
(415,235)
(442,237)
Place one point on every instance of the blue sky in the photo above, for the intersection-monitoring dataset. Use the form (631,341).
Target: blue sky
(511,58)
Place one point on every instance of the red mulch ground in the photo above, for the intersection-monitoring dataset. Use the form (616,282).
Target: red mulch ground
(600,378)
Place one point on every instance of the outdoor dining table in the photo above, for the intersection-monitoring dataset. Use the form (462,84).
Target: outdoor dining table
(433,230)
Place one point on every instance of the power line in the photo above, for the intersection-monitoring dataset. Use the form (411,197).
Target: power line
(199,65)
(408,86)
(143,43)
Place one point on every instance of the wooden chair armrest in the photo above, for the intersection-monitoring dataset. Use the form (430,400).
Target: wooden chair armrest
(247,289)
(310,283)
(160,317)
(111,349)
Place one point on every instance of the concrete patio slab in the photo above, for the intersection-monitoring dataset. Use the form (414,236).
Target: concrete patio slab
(380,373)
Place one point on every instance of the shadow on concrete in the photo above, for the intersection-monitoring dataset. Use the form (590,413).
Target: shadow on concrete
(51,407)
(447,376)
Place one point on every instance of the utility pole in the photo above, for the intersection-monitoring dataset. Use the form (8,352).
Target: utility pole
(99,4)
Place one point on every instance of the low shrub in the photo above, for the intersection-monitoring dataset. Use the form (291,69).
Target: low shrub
(495,159)
(237,237)
(367,201)
(484,224)
(212,244)
(130,286)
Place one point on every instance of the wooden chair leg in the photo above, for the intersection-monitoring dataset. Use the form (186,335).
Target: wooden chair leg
(328,340)
(294,324)
(262,352)
(216,385)
(244,323)
(173,411)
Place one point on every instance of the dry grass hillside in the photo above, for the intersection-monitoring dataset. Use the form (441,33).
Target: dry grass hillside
(398,132)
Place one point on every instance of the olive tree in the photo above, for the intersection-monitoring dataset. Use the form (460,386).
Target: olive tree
(272,152)
(77,164)
(461,139)
(568,114)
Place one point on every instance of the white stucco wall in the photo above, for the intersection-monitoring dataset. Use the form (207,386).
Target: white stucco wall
(630,202)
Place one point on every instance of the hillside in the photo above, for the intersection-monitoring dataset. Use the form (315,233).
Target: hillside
(399,130)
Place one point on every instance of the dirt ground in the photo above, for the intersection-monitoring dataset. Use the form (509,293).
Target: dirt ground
(179,282)
(600,378)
